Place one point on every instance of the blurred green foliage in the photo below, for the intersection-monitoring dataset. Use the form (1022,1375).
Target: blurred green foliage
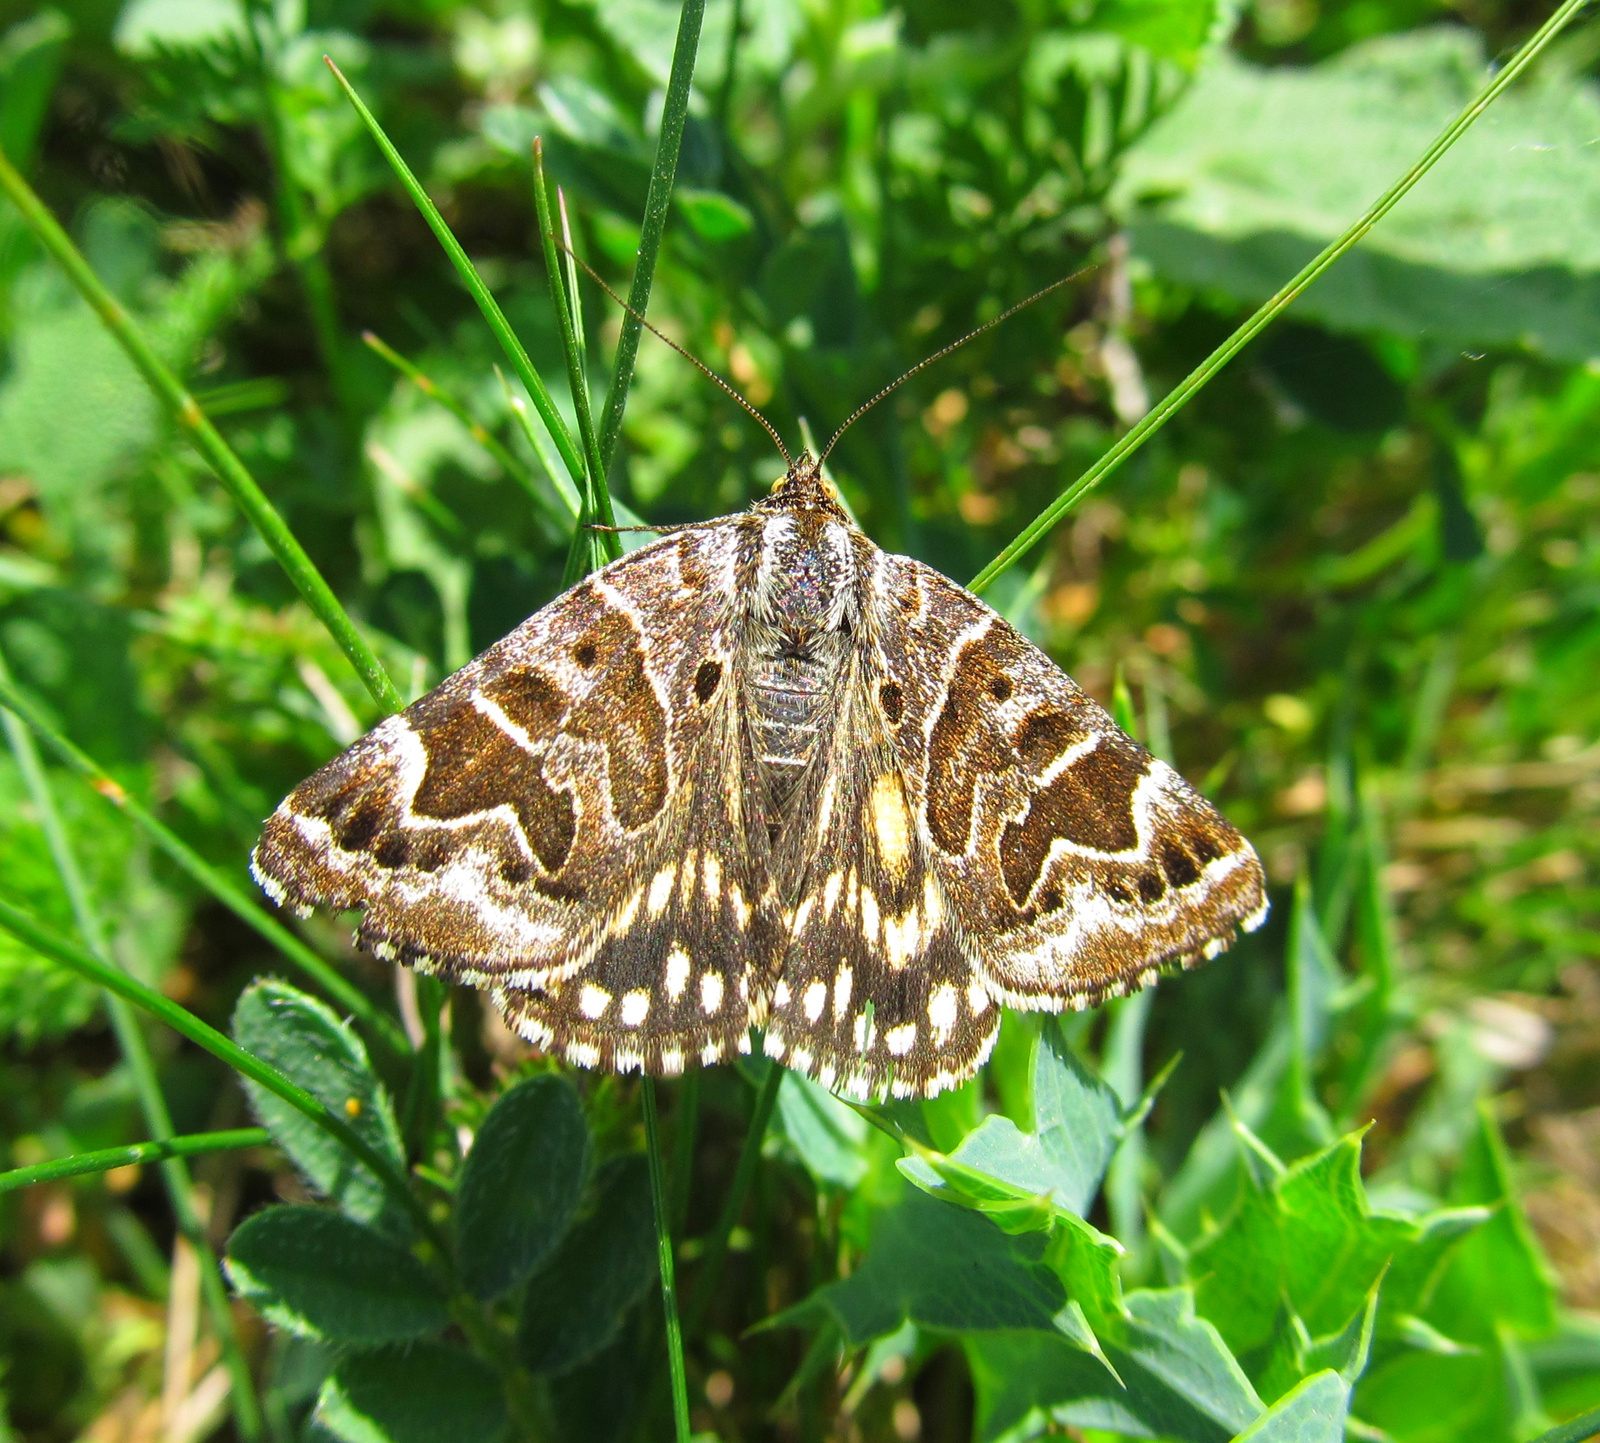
(1352,588)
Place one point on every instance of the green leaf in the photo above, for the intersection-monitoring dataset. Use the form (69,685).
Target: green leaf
(714,216)
(575,1303)
(30,60)
(324,1276)
(304,1040)
(520,1184)
(1499,1275)
(1239,185)
(829,1135)
(427,1393)
(939,1267)
(1313,1413)
(1077,1125)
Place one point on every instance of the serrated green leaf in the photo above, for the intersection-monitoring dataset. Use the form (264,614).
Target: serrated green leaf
(1077,1124)
(575,1303)
(1313,1413)
(427,1393)
(325,1276)
(307,1042)
(520,1184)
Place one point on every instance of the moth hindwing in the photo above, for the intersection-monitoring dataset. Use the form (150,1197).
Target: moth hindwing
(762,773)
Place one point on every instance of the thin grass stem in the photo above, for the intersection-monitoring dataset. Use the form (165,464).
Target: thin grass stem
(498,452)
(516,353)
(194,1144)
(1180,395)
(204,437)
(744,1174)
(658,200)
(45,941)
(596,497)
(244,907)
(669,1292)
(135,1050)
(685,1123)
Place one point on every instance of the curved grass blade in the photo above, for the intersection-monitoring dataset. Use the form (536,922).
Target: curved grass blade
(27,928)
(658,200)
(193,1144)
(1180,395)
(244,907)
(498,324)
(206,439)
(669,1290)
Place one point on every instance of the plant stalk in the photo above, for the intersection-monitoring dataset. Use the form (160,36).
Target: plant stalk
(669,1292)
(193,1144)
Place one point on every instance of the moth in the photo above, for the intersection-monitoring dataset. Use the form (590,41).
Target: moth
(761,774)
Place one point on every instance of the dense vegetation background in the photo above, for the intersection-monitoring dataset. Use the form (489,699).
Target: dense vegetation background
(1351,591)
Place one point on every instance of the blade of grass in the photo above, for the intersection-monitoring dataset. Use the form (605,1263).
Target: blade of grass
(669,1291)
(658,200)
(502,456)
(141,1066)
(27,928)
(1575,1430)
(587,545)
(244,907)
(540,447)
(498,324)
(743,1175)
(204,437)
(1180,395)
(193,1144)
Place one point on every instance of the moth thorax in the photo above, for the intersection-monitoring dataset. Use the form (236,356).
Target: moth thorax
(804,616)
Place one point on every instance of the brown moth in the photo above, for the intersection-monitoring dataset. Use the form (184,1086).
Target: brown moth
(762,774)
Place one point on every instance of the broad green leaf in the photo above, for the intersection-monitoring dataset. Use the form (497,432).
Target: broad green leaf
(1172,1378)
(324,1276)
(828,1134)
(427,1393)
(1347,1351)
(1313,1413)
(520,1184)
(30,60)
(1498,1275)
(1255,169)
(575,1304)
(306,1041)
(1077,1124)
(940,1267)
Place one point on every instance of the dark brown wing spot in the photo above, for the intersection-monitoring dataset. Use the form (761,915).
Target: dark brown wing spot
(1089,804)
(355,826)
(691,571)
(1000,688)
(1151,886)
(892,701)
(529,698)
(622,713)
(1044,736)
(707,679)
(585,654)
(474,767)
(1178,864)
(1207,846)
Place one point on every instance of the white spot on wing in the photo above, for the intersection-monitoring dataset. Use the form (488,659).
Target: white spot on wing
(943,1008)
(635,1008)
(593,1001)
(841,991)
(677,973)
(660,891)
(900,1040)
(710,992)
(816,999)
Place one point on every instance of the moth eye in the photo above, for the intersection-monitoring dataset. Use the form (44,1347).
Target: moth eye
(893,704)
(584,653)
(707,679)
(1000,687)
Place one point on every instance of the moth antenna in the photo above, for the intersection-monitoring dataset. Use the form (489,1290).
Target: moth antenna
(694,361)
(939,355)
